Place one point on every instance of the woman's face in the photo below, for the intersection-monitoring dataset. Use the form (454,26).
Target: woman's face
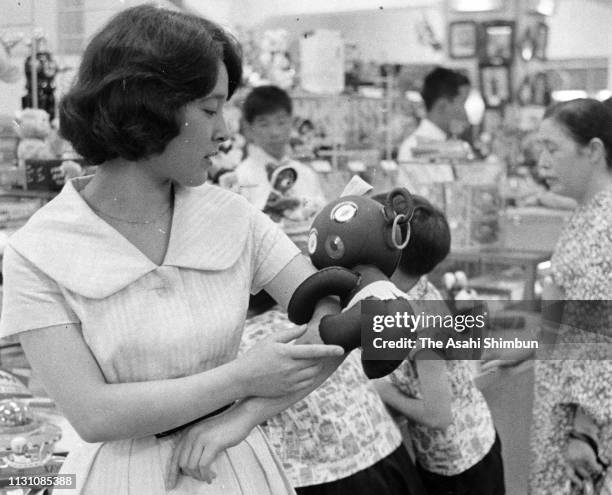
(187,157)
(563,163)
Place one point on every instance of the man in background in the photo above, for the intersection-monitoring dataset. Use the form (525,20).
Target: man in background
(444,93)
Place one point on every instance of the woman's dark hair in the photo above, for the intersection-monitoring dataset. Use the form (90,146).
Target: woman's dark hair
(585,119)
(430,237)
(264,100)
(136,75)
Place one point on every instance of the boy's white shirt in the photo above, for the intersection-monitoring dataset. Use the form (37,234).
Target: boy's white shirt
(255,185)
(426,133)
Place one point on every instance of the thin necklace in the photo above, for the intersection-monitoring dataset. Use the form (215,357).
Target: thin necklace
(134,222)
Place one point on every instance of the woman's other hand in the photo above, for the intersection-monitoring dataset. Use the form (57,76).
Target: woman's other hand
(201,443)
(274,367)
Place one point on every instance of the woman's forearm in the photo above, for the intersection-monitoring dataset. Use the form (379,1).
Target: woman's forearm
(139,409)
(100,411)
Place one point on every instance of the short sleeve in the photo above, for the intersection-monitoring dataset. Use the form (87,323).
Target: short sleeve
(30,299)
(272,251)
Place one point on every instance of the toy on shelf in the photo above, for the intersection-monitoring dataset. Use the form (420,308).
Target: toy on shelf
(9,70)
(33,128)
(26,438)
(40,72)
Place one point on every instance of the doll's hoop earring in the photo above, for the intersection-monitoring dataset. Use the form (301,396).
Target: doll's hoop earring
(396,229)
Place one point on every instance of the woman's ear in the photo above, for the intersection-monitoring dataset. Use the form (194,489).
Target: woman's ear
(596,151)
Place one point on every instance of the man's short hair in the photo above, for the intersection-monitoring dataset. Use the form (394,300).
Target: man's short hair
(264,100)
(442,83)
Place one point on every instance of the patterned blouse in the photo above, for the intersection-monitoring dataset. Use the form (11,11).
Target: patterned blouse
(582,267)
(471,434)
(341,428)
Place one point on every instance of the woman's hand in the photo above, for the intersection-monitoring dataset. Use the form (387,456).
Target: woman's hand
(201,443)
(581,461)
(273,367)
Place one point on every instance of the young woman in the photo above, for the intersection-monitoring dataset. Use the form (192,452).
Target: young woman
(130,289)
(572,421)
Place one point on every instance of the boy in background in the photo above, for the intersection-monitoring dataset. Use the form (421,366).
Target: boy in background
(267,119)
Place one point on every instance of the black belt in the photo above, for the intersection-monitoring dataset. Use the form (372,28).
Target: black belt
(178,428)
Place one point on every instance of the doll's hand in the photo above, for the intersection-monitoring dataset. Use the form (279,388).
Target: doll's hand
(201,443)
(273,367)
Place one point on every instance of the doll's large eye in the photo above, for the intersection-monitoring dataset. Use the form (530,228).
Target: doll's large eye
(343,212)
(334,247)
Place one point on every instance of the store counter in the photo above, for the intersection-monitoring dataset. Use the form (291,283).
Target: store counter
(527,260)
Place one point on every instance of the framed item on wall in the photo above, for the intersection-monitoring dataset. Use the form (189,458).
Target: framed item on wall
(543,7)
(541,90)
(498,42)
(475,5)
(524,94)
(541,41)
(495,85)
(527,45)
(462,39)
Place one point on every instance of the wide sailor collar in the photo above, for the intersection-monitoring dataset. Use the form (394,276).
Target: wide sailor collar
(68,242)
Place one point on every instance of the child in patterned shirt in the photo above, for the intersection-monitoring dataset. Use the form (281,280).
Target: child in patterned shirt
(457,449)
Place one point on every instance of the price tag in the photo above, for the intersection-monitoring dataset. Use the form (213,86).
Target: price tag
(321,166)
(356,166)
(388,165)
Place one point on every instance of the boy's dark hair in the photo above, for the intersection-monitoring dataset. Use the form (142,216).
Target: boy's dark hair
(585,119)
(442,83)
(264,100)
(430,237)
(136,75)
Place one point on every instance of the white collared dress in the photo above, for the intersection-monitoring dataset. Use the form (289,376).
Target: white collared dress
(145,322)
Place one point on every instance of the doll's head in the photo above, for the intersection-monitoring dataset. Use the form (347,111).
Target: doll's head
(357,230)
(283,178)
(430,236)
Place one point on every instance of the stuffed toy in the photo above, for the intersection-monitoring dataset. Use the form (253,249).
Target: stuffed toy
(280,202)
(33,128)
(356,244)
(9,70)
(38,141)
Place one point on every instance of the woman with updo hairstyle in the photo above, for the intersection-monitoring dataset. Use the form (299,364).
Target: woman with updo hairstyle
(129,290)
(572,423)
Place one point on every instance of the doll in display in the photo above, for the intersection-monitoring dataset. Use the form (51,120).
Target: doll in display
(33,127)
(281,203)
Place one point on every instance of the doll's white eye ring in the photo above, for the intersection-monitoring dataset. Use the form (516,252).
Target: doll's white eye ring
(312,241)
(395,228)
(344,212)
